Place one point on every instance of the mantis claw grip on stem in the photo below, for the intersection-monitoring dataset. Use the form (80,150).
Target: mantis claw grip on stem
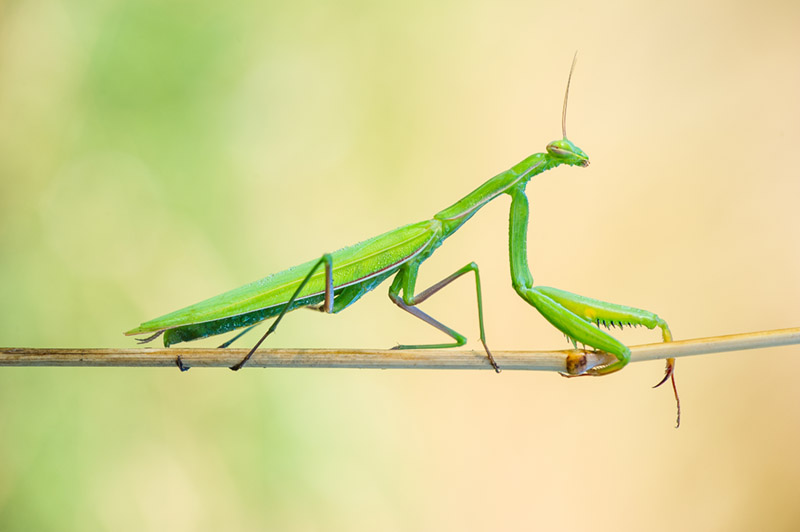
(336,280)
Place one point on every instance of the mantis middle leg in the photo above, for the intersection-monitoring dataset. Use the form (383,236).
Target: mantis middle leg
(406,280)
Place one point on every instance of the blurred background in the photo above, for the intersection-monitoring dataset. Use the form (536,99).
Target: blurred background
(153,154)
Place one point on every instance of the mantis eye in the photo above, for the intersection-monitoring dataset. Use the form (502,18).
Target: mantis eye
(554,149)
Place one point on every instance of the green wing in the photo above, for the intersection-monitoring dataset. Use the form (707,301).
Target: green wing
(377,257)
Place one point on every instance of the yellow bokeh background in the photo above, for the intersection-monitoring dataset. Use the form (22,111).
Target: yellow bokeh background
(153,154)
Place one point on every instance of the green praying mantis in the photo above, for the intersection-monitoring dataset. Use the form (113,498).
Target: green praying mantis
(336,280)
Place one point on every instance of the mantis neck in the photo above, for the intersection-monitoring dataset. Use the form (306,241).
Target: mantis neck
(455,215)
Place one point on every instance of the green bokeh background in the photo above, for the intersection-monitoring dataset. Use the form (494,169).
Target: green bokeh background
(156,153)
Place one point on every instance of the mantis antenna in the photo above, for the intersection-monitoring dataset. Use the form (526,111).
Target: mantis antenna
(566,96)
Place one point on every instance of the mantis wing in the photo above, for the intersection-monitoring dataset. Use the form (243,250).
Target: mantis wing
(371,260)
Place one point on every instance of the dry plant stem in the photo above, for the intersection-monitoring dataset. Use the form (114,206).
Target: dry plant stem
(573,361)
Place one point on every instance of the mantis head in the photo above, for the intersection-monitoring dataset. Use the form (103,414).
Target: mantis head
(564,151)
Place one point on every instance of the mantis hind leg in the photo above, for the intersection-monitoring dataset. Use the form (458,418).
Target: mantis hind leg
(149,338)
(327,261)
(238,335)
(406,281)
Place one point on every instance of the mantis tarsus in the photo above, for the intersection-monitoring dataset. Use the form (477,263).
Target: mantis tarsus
(336,280)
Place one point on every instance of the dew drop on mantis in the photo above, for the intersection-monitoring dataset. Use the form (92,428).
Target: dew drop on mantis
(336,280)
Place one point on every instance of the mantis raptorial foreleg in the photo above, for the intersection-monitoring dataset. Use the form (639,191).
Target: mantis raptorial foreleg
(327,261)
(610,315)
(572,314)
(600,313)
(406,281)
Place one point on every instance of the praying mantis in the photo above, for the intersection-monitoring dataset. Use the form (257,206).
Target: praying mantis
(336,280)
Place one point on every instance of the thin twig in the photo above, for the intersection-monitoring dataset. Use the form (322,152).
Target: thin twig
(577,360)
